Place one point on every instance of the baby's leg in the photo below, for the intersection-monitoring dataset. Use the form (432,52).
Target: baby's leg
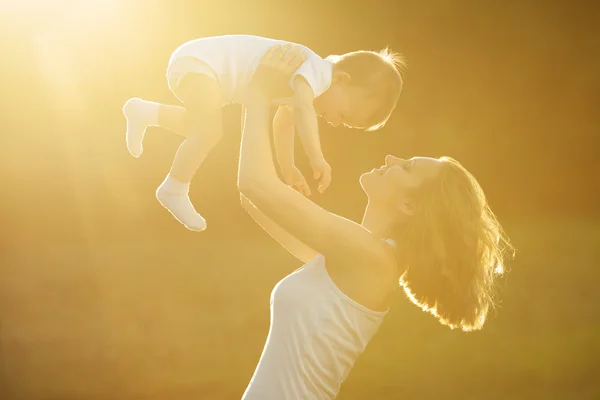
(143,113)
(202,126)
(139,114)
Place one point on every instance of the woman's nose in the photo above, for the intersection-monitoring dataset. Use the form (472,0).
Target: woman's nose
(390,160)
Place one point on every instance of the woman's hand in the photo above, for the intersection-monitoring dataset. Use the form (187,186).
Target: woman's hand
(276,68)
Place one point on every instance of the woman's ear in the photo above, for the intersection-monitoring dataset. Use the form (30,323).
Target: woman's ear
(407,207)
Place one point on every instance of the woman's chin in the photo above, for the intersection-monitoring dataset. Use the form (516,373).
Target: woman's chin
(365,180)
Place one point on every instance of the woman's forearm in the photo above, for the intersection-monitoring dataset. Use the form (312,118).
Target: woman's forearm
(256,167)
(283,137)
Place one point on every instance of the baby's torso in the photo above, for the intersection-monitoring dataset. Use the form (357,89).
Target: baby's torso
(234,59)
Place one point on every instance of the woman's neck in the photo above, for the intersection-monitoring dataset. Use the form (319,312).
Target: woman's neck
(377,220)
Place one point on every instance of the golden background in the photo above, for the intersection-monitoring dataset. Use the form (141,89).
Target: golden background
(103,295)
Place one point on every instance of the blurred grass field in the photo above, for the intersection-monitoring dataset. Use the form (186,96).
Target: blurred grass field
(138,330)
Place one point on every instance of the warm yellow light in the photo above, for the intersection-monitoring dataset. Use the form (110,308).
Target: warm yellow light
(61,14)
(24,7)
(70,31)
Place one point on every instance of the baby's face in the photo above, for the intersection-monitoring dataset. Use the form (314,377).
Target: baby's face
(347,105)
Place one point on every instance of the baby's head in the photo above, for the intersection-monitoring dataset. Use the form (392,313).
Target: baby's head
(364,91)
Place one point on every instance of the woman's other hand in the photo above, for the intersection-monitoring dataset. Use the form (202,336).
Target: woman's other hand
(277,66)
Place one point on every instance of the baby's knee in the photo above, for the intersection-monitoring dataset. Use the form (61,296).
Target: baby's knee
(205,128)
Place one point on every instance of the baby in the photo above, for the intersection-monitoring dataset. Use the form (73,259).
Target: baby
(358,90)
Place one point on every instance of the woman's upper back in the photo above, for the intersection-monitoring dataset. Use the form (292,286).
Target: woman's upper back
(317,333)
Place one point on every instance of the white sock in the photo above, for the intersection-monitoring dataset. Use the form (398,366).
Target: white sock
(173,195)
(139,114)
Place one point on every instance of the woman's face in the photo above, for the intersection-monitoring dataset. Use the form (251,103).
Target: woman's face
(394,181)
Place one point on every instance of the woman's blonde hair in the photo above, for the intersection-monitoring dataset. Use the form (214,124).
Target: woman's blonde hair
(452,249)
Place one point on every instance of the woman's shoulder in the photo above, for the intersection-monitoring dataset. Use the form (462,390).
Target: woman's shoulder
(369,284)
(381,262)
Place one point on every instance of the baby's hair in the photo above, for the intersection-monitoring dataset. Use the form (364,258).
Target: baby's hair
(380,74)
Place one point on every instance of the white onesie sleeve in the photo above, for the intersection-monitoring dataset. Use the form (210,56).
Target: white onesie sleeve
(317,72)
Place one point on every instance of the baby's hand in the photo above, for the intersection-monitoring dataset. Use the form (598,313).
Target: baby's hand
(294,178)
(322,170)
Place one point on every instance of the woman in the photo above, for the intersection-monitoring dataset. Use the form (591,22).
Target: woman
(426,228)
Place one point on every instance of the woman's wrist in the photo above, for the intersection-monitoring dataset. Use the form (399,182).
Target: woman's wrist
(270,83)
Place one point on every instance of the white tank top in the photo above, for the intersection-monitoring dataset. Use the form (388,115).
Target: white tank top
(234,59)
(317,333)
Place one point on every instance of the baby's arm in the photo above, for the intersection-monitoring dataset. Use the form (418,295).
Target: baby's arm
(305,121)
(283,139)
(283,136)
